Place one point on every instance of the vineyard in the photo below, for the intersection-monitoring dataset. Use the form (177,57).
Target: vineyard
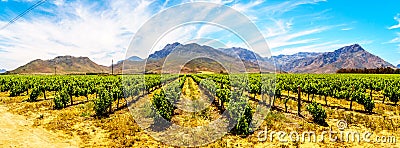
(297,102)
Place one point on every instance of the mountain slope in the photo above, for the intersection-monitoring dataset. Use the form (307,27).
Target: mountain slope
(242,53)
(195,58)
(132,58)
(287,62)
(398,66)
(135,58)
(164,52)
(62,65)
(189,58)
(353,56)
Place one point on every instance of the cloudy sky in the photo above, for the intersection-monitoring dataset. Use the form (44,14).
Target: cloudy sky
(102,29)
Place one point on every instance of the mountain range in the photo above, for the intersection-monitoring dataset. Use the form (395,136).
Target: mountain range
(353,56)
(178,58)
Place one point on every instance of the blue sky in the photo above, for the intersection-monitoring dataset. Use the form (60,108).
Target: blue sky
(102,29)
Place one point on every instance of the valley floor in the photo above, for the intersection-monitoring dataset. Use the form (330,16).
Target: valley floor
(17,131)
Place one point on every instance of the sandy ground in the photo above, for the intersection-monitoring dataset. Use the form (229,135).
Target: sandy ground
(17,131)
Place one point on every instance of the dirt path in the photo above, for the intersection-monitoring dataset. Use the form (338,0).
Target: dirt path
(16,131)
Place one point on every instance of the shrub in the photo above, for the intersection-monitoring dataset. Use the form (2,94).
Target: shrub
(65,97)
(61,99)
(103,102)
(224,95)
(240,111)
(317,112)
(164,108)
(368,104)
(17,89)
(394,96)
(243,125)
(58,102)
(34,94)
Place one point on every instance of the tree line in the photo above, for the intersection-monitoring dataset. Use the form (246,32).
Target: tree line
(381,70)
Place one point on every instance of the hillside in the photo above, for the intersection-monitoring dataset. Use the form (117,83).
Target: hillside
(61,65)
(353,56)
(242,53)
(287,62)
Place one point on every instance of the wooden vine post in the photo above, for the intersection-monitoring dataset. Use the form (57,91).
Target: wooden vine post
(299,100)
(384,97)
(352,97)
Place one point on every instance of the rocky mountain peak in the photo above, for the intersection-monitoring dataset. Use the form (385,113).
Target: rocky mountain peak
(352,49)
(242,53)
(164,52)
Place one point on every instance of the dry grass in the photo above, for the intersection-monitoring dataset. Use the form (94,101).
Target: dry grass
(194,99)
(120,129)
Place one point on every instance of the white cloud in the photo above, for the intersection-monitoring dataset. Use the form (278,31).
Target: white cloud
(395,40)
(346,29)
(246,8)
(286,6)
(182,34)
(102,30)
(280,27)
(78,29)
(286,39)
(397,18)
(222,2)
(59,2)
(320,47)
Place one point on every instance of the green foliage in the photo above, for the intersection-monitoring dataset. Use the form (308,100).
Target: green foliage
(58,104)
(368,103)
(393,93)
(103,102)
(240,111)
(224,95)
(62,99)
(317,112)
(34,94)
(17,88)
(243,125)
(164,108)
(173,91)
